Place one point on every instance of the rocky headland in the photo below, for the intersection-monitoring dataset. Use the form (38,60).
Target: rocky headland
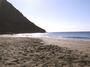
(13,21)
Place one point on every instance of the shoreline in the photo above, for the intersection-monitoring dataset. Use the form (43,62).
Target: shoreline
(39,52)
(45,35)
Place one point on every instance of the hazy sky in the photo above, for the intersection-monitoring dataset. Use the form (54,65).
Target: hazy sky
(56,15)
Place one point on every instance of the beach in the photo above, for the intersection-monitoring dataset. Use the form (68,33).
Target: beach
(43,52)
(74,44)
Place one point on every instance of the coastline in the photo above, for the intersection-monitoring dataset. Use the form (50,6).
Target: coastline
(40,52)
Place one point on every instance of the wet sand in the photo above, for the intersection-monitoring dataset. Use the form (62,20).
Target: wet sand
(43,52)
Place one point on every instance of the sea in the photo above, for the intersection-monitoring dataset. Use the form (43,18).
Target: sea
(56,35)
(70,35)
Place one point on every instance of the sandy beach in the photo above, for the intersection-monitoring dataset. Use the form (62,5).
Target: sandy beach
(80,45)
(43,52)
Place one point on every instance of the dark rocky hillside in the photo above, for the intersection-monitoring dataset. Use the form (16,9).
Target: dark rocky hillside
(12,21)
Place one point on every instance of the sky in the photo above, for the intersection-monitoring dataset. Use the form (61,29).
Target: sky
(56,15)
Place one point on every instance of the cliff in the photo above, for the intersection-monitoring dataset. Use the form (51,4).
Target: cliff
(12,21)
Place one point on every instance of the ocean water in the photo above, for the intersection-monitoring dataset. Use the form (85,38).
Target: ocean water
(58,35)
(70,35)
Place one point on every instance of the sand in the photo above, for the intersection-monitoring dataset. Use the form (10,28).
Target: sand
(80,45)
(43,52)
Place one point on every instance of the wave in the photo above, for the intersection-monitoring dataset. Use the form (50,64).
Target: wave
(78,37)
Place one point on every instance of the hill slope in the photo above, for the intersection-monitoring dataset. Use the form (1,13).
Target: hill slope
(12,21)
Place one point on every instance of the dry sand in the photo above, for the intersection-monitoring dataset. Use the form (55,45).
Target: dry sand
(43,52)
(80,45)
